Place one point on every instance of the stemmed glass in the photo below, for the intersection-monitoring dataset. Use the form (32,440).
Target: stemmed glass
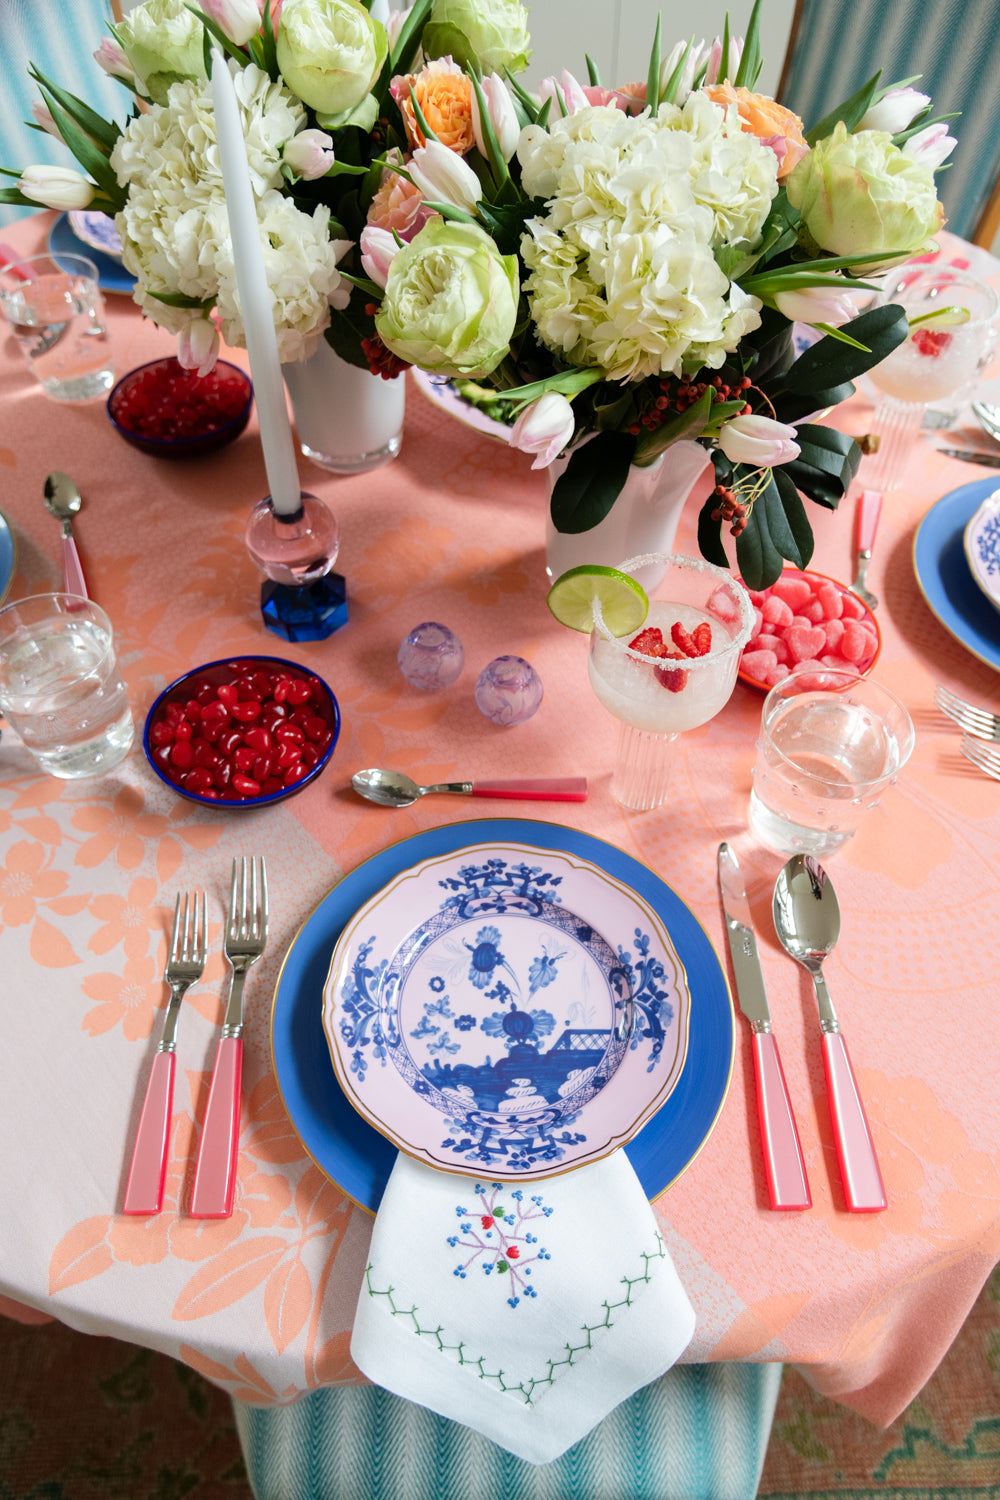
(940,358)
(647,680)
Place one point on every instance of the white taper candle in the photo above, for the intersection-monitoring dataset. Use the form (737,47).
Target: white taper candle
(255,298)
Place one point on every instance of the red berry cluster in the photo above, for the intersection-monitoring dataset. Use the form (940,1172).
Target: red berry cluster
(731,510)
(165,401)
(381,361)
(677,395)
(257,732)
(688,643)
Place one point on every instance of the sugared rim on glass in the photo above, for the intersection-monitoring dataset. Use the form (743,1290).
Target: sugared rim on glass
(834,680)
(947,275)
(694,565)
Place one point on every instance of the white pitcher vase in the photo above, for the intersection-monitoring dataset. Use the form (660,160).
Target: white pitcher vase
(347,419)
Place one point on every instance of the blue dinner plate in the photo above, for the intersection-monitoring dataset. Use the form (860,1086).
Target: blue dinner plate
(8,556)
(944,577)
(351,1152)
(111,274)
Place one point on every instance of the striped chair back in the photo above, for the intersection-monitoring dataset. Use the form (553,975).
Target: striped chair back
(952,44)
(60,38)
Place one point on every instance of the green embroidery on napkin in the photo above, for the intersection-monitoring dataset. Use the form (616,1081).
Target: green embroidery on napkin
(477,1363)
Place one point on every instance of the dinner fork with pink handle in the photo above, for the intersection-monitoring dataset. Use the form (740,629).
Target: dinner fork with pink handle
(246,934)
(185,962)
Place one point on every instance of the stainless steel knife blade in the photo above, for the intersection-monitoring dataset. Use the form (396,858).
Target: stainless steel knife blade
(787,1184)
(973,456)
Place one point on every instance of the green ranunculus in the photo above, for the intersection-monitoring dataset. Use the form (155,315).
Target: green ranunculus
(497,30)
(860,194)
(164,43)
(450,301)
(330,52)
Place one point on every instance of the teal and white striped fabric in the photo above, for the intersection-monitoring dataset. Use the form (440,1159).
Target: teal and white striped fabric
(952,44)
(698,1433)
(60,39)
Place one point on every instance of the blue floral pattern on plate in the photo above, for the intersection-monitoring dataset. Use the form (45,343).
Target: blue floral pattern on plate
(520,1015)
(982,547)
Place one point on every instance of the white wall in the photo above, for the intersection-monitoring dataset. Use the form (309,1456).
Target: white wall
(618,34)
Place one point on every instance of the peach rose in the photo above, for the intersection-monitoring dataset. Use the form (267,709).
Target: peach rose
(770,122)
(398,206)
(444,94)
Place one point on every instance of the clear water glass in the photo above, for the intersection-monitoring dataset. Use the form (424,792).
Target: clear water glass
(830,743)
(56,314)
(60,686)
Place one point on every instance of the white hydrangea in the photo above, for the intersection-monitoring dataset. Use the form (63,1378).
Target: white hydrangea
(174,226)
(622,267)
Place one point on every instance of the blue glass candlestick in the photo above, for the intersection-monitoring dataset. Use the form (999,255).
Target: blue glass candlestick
(302,598)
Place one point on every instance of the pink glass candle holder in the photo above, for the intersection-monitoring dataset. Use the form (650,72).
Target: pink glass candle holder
(302,598)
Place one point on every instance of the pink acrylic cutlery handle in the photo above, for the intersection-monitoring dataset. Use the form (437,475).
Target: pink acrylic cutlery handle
(859,1169)
(869,510)
(787,1183)
(538,789)
(73,579)
(215,1174)
(144,1193)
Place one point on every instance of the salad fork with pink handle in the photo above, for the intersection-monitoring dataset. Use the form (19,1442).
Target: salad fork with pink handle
(186,960)
(246,934)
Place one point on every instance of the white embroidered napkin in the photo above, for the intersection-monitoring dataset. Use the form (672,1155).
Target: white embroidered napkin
(526,1311)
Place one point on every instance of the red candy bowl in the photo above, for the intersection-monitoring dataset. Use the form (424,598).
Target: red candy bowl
(245,732)
(808,620)
(170,412)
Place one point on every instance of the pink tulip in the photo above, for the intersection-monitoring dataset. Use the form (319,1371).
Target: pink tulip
(42,115)
(759,441)
(816,304)
(544,428)
(309,154)
(443,177)
(567,95)
(895,110)
(379,248)
(113,60)
(931,145)
(239,19)
(500,108)
(198,346)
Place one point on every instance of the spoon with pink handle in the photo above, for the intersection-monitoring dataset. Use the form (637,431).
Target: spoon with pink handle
(63,500)
(395,789)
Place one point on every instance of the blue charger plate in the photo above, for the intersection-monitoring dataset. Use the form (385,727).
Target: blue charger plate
(8,557)
(944,577)
(111,274)
(354,1155)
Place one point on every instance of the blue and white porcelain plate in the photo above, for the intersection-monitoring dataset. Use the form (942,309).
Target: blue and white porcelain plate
(982,547)
(506,1010)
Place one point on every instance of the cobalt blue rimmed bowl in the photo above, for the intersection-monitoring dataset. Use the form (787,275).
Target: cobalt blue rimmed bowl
(244,732)
(169,412)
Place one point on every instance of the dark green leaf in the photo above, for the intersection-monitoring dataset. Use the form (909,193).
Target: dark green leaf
(760,562)
(180,299)
(593,479)
(592,73)
(269,54)
(791,406)
(801,550)
(408,41)
(851,111)
(831,362)
(91,158)
(653,76)
(710,535)
(11,195)
(493,153)
(751,62)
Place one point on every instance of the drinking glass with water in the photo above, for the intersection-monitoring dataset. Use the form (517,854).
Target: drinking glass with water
(56,314)
(60,686)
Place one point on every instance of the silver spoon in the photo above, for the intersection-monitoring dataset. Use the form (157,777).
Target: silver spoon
(63,500)
(988,418)
(395,789)
(807,920)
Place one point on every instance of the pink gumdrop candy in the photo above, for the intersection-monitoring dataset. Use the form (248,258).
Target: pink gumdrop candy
(757,625)
(775,611)
(775,674)
(775,643)
(814,611)
(794,591)
(834,632)
(757,664)
(852,607)
(805,642)
(856,644)
(841,664)
(831,600)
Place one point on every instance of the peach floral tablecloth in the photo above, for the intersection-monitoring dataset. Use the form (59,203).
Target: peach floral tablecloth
(262,1303)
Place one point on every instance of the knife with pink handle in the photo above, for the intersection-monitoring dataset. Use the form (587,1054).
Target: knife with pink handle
(787,1184)
(866,518)
(395,789)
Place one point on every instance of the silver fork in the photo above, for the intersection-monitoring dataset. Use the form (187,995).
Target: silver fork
(246,935)
(185,963)
(975,721)
(983,756)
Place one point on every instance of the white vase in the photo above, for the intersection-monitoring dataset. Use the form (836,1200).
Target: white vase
(643,518)
(347,419)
